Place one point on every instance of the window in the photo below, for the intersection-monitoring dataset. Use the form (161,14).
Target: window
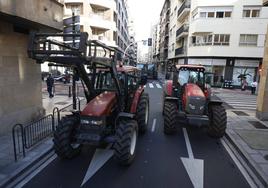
(211,14)
(255,13)
(203,14)
(202,40)
(251,12)
(221,40)
(227,14)
(173,45)
(248,40)
(219,14)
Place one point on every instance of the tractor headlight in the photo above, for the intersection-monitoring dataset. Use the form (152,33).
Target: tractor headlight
(192,106)
(92,122)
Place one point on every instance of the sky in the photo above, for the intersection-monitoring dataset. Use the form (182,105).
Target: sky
(144,14)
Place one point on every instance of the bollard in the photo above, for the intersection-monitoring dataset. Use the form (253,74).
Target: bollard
(70,94)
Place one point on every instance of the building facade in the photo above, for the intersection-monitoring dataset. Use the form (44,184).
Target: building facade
(103,20)
(155,41)
(225,36)
(164,32)
(20,77)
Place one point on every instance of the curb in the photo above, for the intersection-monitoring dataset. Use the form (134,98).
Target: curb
(253,167)
(26,168)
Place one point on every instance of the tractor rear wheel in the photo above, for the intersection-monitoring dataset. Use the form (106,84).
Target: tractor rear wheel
(126,139)
(218,121)
(170,117)
(143,112)
(63,145)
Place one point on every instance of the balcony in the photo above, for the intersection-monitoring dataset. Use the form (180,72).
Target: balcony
(184,10)
(182,31)
(265,2)
(179,51)
(100,22)
(73,1)
(30,13)
(103,4)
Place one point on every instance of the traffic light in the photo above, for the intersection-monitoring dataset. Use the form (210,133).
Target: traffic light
(149,41)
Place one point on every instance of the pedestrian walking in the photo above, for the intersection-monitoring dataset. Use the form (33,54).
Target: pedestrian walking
(244,84)
(253,87)
(50,84)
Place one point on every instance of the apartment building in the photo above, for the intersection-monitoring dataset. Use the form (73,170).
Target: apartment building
(164,32)
(96,18)
(20,77)
(155,45)
(225,36)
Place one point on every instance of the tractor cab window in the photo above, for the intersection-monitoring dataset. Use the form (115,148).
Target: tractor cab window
(105,81)
(191,76)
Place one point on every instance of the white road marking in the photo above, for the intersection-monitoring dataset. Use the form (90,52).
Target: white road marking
(158,86)
(35,172)
(154,124)
(144,86)
(151,85)
(238,164)
(194,167)
(100,157)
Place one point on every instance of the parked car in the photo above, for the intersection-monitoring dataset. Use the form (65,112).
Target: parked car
(65,78)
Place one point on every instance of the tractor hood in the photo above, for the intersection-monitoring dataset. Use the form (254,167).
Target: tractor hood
(194,99)
(101,105)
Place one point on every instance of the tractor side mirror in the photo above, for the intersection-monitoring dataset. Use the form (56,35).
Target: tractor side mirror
(143,80)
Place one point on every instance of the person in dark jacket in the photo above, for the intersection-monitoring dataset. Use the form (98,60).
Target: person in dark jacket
(50,84)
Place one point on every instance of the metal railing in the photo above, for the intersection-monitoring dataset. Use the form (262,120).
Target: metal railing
(179,51)
(183,28)
(185,4)
(25,137)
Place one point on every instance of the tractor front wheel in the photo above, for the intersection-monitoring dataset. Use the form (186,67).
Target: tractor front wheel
(126,139)
(170,117)
(218,121)
(63,145)
(143,112)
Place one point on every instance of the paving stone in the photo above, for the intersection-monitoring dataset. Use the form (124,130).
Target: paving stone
(265,168)
(258,158)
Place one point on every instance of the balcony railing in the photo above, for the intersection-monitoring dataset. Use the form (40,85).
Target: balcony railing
(179,51)
(185,5)
(183,29)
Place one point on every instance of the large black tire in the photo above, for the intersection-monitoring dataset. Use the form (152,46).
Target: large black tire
(63,138)
(170,117)
(126,139)
(218,121)
(142,115)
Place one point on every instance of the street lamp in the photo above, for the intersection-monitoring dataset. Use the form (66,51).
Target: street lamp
(131,45)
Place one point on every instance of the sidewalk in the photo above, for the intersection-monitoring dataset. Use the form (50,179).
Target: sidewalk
(249,135)
(8,167)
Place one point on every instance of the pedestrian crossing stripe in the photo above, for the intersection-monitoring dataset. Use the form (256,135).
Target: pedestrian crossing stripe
(158,86)
(151,85)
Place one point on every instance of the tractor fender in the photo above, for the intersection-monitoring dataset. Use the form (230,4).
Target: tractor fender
(214,100)
(167,89)
(136,99)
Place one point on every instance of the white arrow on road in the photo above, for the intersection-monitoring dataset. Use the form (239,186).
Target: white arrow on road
(194,167)
(101,156)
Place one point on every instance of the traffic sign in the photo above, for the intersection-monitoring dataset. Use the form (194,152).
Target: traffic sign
(71,20)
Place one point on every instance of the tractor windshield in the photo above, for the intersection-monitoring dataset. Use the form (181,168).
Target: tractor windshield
(191,76)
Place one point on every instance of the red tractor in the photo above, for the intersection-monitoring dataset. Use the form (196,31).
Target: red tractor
(187,100)
(117,107)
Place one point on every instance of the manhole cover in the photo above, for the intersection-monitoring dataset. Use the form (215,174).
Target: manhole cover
(61,103)
(240,113)
(258,125)
(266,157)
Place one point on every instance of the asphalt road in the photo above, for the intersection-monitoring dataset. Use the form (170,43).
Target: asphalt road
(158,161)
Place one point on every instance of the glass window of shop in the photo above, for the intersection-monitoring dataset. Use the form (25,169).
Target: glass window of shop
(217,74)
(247,71)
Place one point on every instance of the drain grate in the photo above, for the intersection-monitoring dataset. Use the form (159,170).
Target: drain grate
(258,125)
(61,103)
(240,113)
